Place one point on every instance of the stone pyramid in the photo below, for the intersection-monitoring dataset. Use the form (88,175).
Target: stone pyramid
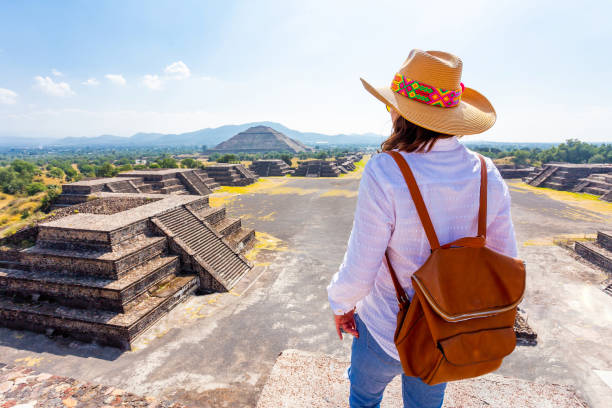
(259,139)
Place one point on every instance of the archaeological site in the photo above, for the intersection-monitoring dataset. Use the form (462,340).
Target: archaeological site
(118,253)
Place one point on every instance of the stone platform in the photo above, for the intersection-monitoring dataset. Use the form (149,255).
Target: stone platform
(231,174)
(103,275)
(317,168)
(598,252)
(301,379)
(270,168)
(162,181)
(26,388)
(588,178)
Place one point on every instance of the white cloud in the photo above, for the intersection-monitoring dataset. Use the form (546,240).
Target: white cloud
(51,87)
(117,79)
(7,96)
(152,82)
(178,70)
(91,82)
(56,72)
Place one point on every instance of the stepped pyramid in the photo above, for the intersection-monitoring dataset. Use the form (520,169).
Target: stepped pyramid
(260,139)
(112,259)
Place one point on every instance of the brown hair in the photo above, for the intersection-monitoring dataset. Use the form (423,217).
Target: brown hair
(408,137)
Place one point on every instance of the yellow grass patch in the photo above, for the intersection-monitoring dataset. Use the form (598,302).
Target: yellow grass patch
(582,201)
(268,217)
(265,242)
(557,239)
(340,193)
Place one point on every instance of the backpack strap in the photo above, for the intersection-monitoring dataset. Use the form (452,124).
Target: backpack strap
(482,210)
(417,198)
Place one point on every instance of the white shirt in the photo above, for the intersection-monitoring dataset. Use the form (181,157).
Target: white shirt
(449,179)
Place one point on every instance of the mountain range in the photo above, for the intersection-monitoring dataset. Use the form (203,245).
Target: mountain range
(208,136)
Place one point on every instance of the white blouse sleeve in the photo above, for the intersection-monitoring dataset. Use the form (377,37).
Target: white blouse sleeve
(500,231)
(372,227)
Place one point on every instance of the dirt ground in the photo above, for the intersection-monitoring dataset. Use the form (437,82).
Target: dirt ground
(218,350)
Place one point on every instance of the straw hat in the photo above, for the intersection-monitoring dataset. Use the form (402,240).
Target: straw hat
(427,91)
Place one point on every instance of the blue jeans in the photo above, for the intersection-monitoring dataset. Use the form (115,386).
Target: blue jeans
(372,369)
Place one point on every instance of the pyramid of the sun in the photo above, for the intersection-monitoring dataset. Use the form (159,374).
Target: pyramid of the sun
(259,139)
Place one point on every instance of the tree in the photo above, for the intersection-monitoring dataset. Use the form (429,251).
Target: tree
(228,158)
(166,162)
(520,157)
(598,158)
(286,157)
(56,172)
(35,188)
(106,170)
(190,163)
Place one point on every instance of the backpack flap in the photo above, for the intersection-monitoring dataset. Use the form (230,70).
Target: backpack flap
(468,283)
(478,347)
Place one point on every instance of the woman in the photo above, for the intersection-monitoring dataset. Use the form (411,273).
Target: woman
(429,106)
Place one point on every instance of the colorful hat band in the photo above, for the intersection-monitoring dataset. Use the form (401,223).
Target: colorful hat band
(424,93)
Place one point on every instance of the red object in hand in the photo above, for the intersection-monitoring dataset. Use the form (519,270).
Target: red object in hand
(346,323)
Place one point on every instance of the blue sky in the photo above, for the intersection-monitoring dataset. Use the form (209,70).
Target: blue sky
(84,68)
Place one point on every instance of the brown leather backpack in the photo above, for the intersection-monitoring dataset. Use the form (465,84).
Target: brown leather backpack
(461,318)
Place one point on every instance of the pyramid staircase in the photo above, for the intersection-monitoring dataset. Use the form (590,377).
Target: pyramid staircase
(231,174)
(598,252)
(596,184)
(270,168)
(317,168)
(572,177)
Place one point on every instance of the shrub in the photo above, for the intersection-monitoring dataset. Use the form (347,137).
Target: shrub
(35,188)
(189,163)
(228,158)
(56,172)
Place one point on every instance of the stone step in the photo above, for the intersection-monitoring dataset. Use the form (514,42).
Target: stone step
(193,183)
(558,179)
(604,239)
(227,226)
(174,189)
(595,254)
(70,199)
(105,327)
(112,265)
(595,190)
(552,184)
(221,266)
(242,239)
(86,291)
(212,215)
(58,235)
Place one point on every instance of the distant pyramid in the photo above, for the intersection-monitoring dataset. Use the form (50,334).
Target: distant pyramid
(258,139)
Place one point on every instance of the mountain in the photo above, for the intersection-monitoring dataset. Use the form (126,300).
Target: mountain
(260,139)
(208,137)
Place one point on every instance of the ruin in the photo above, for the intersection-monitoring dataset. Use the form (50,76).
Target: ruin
(511,171)
(166,181)
(268,168)
(598,252)
(231,174)
(589,178)
(112,259)
(317,168)
(260,139)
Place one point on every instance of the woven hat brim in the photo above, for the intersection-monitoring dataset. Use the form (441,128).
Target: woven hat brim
(473,115)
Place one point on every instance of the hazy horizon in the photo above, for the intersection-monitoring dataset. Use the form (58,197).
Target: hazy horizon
(87,69)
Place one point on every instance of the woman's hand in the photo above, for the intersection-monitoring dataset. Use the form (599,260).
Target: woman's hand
(346,322)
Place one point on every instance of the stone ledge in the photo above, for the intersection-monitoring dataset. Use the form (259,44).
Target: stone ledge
(301,379)
(20,385)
